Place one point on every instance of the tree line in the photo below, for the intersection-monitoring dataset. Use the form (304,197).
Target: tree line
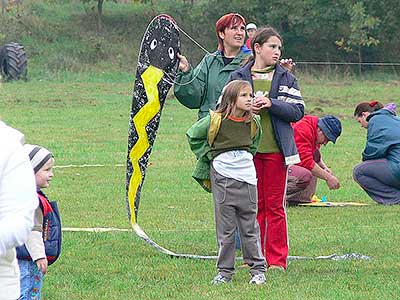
(313,30)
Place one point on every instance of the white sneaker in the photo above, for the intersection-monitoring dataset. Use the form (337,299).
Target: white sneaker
(258,279)
(220,279)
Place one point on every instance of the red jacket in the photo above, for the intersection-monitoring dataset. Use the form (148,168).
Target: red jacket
(305,136)
(248,43)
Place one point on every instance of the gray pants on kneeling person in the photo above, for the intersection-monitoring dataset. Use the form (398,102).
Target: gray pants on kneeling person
(377,179)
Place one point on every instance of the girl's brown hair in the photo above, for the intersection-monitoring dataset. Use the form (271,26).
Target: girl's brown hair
(227,21)
(367,107)
(262,35)
(229,96)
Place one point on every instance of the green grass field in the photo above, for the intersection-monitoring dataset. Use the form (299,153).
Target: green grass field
(83,119)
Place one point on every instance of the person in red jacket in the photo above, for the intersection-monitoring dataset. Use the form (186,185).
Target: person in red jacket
(251,29)
(310,133)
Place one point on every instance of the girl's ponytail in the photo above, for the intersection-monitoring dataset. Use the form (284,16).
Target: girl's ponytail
(367,107)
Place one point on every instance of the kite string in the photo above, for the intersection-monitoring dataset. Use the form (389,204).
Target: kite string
(194,41)
(171,79)
(197,70)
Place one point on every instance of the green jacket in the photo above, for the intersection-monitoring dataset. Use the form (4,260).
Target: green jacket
(201,87)
(201,136)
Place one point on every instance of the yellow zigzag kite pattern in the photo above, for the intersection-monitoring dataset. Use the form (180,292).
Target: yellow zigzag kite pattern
(151,77)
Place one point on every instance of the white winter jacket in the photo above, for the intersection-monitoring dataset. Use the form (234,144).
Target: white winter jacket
(18,201)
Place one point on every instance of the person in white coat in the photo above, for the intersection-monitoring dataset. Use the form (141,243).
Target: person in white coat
(18,201)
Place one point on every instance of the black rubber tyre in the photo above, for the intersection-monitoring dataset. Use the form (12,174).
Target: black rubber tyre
(13,62)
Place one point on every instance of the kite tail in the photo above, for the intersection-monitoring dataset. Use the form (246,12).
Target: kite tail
(151,77)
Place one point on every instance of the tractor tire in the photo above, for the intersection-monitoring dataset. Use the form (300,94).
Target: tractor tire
(13,62)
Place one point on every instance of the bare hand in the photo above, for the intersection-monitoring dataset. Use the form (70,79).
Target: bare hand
(255,108)
(183,63)
(42,265)
(288,64)
(332,182)
(261,102)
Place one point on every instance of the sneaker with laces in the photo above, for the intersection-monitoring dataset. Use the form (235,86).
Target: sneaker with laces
(220,279)
(258,279)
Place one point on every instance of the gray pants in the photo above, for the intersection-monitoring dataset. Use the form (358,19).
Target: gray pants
(235,203)
(376,178)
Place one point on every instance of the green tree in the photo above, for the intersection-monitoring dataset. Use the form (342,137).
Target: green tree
(388,12)
(99,11)
(360,35)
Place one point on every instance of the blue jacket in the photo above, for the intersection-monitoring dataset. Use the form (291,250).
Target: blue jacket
(287,106)
(51,234)
(383,139)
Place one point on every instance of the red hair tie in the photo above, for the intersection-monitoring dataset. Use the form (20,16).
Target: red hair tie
(373,103)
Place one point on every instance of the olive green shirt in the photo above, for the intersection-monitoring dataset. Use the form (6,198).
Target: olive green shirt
(232,135)
(268,142)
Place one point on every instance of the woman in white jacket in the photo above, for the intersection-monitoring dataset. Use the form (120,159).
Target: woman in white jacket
(18,202)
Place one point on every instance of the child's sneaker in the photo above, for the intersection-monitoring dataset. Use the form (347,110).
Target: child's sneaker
(220,279)
(258,279)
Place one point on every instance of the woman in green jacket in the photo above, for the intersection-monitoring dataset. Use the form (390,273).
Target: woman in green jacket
(200,87)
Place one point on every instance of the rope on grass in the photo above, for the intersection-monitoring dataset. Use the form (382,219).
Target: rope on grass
(348,256)
(108,229)
(88,166)
(145,237)
(95,229)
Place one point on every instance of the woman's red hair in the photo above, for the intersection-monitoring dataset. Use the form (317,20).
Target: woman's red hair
(227,21)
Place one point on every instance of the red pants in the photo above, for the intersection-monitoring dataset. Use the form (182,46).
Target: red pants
(271,216)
